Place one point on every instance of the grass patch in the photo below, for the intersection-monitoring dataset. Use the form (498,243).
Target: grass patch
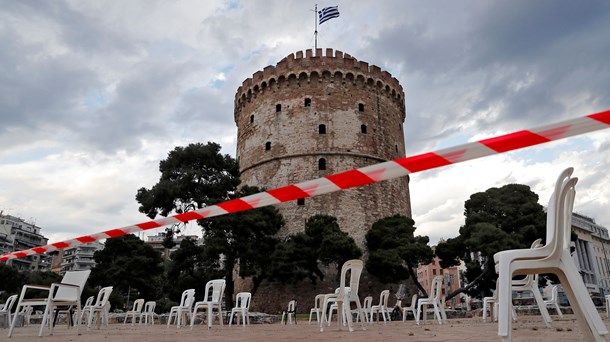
(535,328)
(559,329)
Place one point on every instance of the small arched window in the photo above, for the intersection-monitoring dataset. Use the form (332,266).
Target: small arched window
(322,129)
(278,108)
(361,107)
(267,145)
(251,118)
(301,201)
(322,164)
(363,129)
(307,102)
(396,148)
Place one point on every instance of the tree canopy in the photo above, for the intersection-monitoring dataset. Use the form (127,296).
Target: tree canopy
(244,238)
(498,219)
(192,177)
(394,250)
(322,242)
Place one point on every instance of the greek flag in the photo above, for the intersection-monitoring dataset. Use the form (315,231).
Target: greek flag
(328,13)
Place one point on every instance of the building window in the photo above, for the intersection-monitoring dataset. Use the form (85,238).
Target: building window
(278,108)
(267,145)
(322,164)
(396,148)
(322,129)
(251,118)
(363,129)
(307,102)
(361,107)
(301,201)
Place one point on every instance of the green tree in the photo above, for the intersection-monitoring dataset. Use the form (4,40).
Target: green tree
(12,281)
(129,265)
(191,178)
(322,243)
(244,239)
(185,270)
(394,251)
(333,245)
(497,219)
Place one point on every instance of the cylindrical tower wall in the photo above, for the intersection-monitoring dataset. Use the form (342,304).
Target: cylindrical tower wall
(312,116)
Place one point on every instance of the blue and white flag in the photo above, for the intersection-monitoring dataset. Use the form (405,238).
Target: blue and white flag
(328,13)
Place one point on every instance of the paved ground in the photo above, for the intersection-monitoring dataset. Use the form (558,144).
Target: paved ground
(528,328)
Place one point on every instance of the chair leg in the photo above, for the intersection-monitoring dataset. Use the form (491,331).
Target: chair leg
(542,307)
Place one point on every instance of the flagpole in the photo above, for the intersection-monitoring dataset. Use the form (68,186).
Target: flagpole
(315,32)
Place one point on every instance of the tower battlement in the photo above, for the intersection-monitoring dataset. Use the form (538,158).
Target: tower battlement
(332,66)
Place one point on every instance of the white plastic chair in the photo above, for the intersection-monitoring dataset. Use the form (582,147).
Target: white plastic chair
(135,312)
(242,306)
(290,313)
(184,309)
(554,300)
(555,258)
(411,308)
(214,290)
(7,307)
(99,310)
(382,307)
(148,313)
(86,307)
(317,304)
(434,300)
(530,283)
(345,297)
(66,293)
(367,303)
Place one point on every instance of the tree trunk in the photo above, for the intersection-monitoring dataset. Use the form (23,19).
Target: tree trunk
(229,265)
(471,284)
(414,277)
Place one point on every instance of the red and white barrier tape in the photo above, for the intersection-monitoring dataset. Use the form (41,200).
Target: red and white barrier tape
(358,177)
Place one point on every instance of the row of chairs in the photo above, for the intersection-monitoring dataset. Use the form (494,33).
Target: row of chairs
(369,311)
(61,297)
(214,290)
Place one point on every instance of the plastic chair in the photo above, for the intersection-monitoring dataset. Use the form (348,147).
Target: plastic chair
(530,283)
(7,307)
(367,303)
(242,306)
(434,300)
(184,309)
(345,297)
(317,304)
(411,308)
(553,301)
(382,307)
(66,293)
(86,307)
(135,312)
(148,313)
(290,313)
(214,290)
(555,258)
(99,310)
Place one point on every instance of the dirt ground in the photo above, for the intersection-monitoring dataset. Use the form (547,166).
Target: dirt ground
(527,328)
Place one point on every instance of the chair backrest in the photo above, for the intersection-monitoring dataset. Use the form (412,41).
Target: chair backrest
(8,305)
(383,298)
(413,301)
(243,300)
(368,302)
(214,289)
(554,291)
(436,287)
(354,266)
(103,296)
(292,305)
(138,304)
(89,301)
(317,302)
(561,239)
(150,306)
(78,278)
(188,296)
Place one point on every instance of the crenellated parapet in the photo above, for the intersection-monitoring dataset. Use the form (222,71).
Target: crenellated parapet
(332,66)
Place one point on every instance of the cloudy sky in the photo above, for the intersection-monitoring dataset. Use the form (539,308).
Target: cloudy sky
(93,94)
